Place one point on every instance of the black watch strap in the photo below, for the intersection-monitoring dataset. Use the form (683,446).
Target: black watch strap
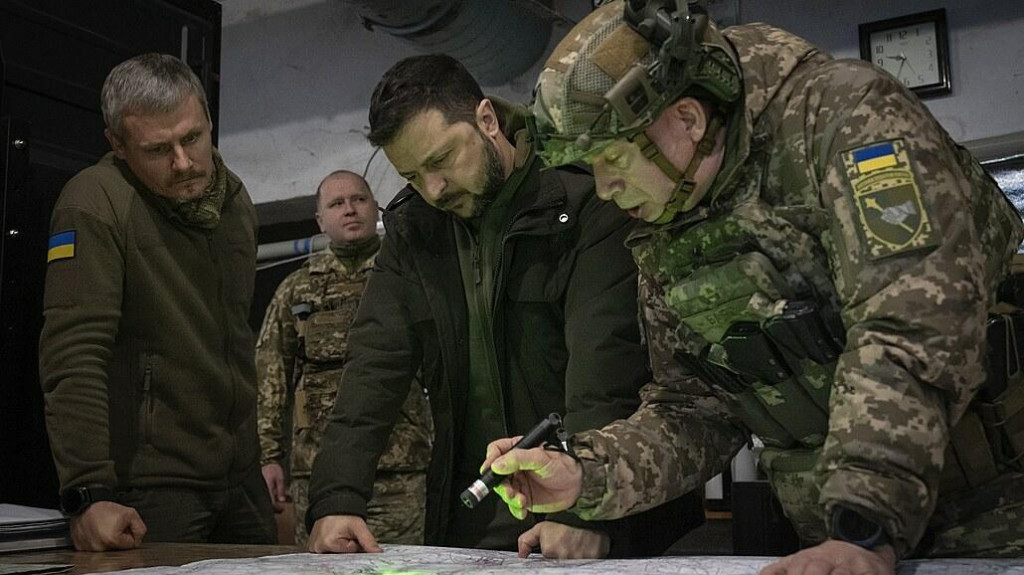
(849,525)
(75,500)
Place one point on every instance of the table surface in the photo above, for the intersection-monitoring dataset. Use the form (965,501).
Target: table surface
(149,555)
(164,559)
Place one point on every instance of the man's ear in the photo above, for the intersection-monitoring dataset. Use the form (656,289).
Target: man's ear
(116,143)
(320,222)
(487,118)
(691,118)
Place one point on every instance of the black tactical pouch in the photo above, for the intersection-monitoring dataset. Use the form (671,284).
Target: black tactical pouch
(753,354)
(989,439)
(1000,402)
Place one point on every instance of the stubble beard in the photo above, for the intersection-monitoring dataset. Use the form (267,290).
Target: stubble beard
(196,188)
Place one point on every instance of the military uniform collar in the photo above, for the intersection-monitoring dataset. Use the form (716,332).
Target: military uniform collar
(766,57)
(325,262)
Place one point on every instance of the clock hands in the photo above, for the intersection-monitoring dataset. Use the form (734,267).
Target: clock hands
(909,65)
(903,60)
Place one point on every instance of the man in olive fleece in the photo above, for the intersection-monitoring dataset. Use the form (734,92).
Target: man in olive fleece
(146,355)
(816,267)
(301,352)
(508,288)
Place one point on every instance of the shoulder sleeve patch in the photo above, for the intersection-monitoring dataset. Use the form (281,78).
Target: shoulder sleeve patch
(887,193)
(62,246)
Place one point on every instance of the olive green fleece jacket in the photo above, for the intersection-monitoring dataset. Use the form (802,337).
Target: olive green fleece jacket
(146,355)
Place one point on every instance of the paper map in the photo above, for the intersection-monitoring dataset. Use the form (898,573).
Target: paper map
(416,560)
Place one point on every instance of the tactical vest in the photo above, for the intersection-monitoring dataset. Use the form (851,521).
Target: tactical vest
(322,314)
(766,340)
(322,325)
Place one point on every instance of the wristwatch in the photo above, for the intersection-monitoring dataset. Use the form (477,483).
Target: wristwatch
(75,500)
(850,526)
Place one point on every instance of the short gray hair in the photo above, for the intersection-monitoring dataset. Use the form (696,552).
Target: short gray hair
(148,84)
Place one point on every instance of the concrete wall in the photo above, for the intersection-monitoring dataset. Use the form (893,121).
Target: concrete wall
(295,91)
(986,45)
(296,83)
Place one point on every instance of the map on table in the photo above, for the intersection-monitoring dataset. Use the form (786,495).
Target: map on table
(417,560)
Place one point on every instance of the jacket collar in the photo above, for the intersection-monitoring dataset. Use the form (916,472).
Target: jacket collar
(767,58)
(232,187)
(325,262)
(541,207)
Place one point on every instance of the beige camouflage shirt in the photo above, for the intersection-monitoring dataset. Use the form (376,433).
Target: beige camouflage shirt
(300,361)
(854,192)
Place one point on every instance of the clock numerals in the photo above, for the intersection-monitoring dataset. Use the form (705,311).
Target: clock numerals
(912,48)
(907,53)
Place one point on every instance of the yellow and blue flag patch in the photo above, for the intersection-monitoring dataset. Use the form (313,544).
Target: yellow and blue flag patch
(875,157)
(62,246)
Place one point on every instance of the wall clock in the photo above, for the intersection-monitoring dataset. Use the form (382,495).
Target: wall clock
(913,48)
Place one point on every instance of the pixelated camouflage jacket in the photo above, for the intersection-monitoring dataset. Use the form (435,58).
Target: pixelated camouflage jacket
(913,306)
(301,372)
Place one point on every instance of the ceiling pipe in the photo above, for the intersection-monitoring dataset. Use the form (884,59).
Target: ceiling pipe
(496,40)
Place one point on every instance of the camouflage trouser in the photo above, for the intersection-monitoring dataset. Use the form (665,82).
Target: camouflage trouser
(986,523)
(396,513)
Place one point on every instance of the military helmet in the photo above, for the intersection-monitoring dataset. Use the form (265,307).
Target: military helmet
(620,67)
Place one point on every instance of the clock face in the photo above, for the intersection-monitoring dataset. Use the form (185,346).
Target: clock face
(910,53)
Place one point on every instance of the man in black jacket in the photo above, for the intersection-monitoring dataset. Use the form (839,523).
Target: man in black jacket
(511,290)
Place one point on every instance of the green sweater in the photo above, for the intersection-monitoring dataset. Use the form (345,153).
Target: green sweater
(146,356)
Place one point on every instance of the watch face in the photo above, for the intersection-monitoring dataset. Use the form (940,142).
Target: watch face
(852,527)
(909,53)
(72,500)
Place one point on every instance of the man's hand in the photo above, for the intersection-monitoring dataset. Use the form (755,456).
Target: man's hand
(273,476)
(836,558)
(558,541)
(342,534)
(542,481)
(105,525)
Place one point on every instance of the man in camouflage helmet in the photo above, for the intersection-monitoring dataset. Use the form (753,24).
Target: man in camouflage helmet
(816,270)
(300,355)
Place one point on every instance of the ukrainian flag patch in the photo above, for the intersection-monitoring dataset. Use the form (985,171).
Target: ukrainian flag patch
(875,157)
(62,246)
(891,212)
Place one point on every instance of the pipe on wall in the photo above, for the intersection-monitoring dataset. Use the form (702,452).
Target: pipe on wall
(496,40)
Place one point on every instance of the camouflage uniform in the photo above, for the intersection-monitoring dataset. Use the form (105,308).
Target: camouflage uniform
(838,188)
(300,358)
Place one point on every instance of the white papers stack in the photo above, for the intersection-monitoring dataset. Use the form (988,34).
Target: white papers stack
(28,528)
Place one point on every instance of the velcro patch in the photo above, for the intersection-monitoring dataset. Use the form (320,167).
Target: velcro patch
(620,51)
(891,214)
(62,246)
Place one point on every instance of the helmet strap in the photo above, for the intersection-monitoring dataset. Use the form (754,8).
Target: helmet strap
(685,182)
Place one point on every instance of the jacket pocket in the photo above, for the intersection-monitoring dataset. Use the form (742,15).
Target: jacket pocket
(314,401)
(147,399)
(327,333)
(242,257)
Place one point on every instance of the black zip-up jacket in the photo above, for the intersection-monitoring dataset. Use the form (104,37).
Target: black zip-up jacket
(566,335)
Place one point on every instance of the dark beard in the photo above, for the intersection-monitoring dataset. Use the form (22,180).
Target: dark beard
(494,178)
